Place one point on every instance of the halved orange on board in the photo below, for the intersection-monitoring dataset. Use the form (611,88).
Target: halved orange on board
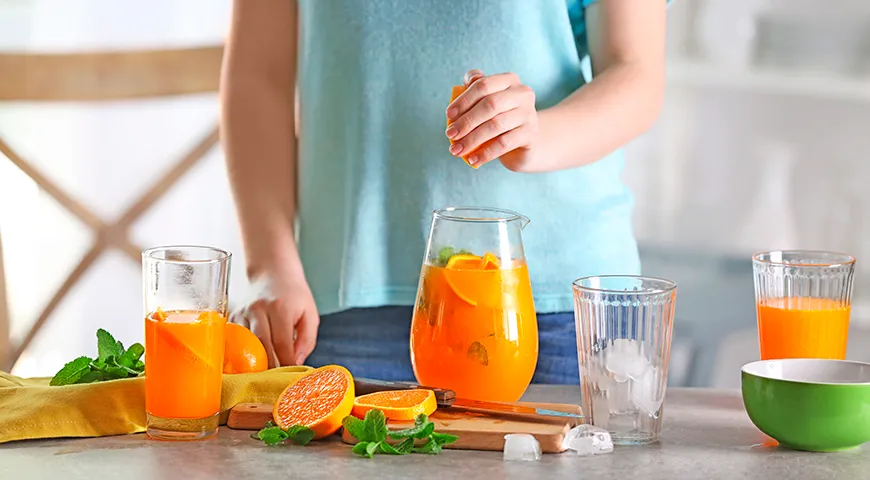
(320,400)
(398,404)
(457,91)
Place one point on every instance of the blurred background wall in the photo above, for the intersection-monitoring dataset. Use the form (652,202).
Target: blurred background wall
(761,145)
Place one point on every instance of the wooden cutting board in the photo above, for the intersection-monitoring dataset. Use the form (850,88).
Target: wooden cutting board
(475,431)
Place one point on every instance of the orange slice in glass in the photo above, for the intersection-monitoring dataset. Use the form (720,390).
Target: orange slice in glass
(397,405)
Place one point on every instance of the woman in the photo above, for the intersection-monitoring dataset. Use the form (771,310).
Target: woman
(371,160)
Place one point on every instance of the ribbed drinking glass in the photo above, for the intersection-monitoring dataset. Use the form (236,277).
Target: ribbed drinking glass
(624,330)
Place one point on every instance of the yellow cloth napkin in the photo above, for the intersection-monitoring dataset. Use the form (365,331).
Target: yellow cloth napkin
(29,408)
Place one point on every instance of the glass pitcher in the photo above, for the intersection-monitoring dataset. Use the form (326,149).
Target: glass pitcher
(474,329)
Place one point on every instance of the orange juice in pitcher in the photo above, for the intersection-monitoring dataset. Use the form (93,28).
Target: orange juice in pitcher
(474,329)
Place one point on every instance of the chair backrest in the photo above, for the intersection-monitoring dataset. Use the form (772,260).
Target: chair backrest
(5,354)
(101,76)
(109,75)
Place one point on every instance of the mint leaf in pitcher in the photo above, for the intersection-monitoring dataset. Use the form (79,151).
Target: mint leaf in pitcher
(446,253)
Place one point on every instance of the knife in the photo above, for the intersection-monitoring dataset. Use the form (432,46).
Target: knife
(447,398)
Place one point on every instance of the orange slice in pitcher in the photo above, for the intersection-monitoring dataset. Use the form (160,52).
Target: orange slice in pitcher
(490,262)
(465,277)
(398,404)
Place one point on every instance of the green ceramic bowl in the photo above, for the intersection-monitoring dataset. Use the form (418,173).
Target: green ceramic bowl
(809,404)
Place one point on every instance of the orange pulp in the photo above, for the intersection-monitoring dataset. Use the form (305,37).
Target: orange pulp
(183,363)
(474,329)
(803,327)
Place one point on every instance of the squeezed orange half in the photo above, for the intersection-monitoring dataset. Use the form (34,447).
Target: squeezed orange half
(184,353)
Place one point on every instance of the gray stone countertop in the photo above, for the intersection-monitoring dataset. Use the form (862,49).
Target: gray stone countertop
(706,435)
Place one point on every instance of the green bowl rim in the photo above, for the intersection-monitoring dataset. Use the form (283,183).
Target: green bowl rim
(806,382)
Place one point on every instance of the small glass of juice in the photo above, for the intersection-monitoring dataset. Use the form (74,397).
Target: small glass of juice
(803,299)
(185,317)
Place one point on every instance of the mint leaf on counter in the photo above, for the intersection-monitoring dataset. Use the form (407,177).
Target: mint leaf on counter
(273,435)
(372,432)
(355,427)
(420,424)
(300,434)
(375,425)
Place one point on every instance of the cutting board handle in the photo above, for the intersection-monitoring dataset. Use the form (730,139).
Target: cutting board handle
(364,386)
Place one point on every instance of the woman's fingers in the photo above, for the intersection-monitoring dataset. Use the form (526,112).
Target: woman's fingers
(483,111)
(258,322)
(471,76)
(500,145)
(282,321)
(481,88)
(306,335)
(488,130)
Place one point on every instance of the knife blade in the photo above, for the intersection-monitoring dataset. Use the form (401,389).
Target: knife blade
(508,408)
(447,398)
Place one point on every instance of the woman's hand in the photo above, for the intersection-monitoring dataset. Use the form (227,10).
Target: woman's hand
(494,118)
(282,313)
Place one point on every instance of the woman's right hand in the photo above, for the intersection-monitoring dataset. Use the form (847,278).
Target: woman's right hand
(282,313)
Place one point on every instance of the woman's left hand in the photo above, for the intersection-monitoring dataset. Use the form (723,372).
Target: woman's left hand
(495,118)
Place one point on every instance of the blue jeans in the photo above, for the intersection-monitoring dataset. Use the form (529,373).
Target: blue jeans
(374,343)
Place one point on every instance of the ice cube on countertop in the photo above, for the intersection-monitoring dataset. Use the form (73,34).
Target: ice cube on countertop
(521,447)
(587,440)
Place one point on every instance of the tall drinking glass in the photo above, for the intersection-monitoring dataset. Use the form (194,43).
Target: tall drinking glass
(624,329)
(185,317)
(803,299)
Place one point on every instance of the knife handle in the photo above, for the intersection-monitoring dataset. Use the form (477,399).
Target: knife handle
(364,386)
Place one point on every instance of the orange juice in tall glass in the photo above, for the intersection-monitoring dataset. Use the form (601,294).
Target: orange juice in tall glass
(186,351)
(803,299)
(474,328)
(186,316)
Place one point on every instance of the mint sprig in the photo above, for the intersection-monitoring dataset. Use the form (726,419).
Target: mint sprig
(371,434)
(445,253)
(272,434)
(112,363)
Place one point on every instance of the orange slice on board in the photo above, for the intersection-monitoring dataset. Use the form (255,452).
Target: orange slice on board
(397,405)
(457,91)
(320,400)
(243,352)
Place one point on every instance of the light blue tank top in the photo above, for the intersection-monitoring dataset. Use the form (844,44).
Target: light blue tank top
(374,81)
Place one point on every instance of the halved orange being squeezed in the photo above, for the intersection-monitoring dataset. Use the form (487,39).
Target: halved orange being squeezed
(320,400)
(397,405)
(455,92)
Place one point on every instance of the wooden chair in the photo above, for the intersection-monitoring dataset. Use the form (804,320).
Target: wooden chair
(101,77)
(5,358)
